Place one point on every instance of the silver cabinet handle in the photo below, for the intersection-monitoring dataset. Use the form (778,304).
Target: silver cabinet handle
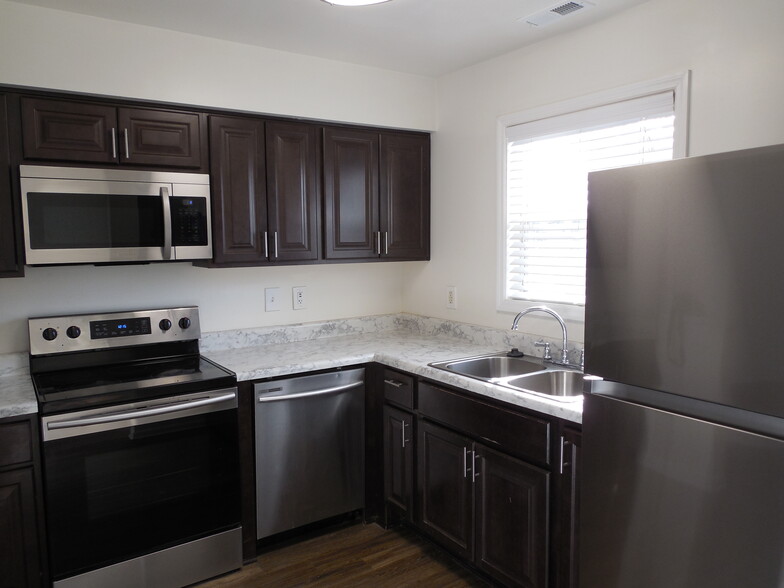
(378,243)
(403,434)
(135,414)
(310,393)
(266,245)
(114,143)
(474,457)
(275,238)
(394,383)
(127,150)
(167,223)
(563,461)
(386,242)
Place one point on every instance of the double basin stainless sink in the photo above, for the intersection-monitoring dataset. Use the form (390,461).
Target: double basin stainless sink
(520,374)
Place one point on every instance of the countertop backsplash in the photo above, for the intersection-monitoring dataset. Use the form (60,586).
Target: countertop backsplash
(415,324)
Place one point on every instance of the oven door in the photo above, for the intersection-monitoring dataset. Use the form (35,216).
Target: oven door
(125,481)
(102,221)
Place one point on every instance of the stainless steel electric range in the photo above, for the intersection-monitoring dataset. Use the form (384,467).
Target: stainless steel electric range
(140,452)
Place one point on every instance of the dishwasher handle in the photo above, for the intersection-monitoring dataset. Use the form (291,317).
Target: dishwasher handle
(321,392)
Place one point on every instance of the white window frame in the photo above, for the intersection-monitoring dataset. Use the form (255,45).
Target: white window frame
(677,83)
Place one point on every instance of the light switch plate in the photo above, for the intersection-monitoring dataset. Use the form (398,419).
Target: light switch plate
(272,299)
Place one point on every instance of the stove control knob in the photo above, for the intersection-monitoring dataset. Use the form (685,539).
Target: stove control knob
(73,331)
(49,334)
(185,322)
(165,324)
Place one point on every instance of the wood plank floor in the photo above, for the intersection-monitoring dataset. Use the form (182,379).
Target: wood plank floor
(358,555)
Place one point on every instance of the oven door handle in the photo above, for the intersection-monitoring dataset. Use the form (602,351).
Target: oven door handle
(136,414)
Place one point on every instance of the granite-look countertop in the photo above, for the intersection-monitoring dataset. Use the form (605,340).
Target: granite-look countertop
(405,342)
(17,396)
(401,349)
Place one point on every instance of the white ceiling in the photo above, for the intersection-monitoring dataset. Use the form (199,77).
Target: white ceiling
(425,37)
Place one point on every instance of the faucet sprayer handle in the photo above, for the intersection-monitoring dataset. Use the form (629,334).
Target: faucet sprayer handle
(546,346)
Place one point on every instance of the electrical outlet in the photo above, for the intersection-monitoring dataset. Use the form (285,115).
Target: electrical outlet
(298,297)
(451,297)
(271,299)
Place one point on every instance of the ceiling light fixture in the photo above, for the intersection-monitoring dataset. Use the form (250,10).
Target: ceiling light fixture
(354,2)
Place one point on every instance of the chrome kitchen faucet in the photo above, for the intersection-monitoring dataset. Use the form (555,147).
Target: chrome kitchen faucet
(564,350)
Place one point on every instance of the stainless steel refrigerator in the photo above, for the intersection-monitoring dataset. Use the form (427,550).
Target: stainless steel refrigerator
(683,439)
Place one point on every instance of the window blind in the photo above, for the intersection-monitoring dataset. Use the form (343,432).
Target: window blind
(547,168)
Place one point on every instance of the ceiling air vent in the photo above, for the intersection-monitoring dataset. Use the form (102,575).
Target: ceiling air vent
(554,13)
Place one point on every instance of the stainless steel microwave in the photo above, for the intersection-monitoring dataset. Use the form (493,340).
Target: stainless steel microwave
(89,215)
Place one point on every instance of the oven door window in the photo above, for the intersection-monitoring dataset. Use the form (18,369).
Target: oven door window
(92,221)
(119,494)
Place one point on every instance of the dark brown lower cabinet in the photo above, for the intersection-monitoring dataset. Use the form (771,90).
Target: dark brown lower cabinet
(485,506)
(511,518)
(19,555)
(445,489)
(566,537)
(21,560)
(399,461)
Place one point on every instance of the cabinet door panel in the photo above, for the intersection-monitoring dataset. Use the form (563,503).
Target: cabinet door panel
(239,210)
(405,195)
(512,519)
(160,137)
(19,554)
(351,193)
(10,251)
(566,540)
(398,458)
(68,131)
(292,191)
(445,493)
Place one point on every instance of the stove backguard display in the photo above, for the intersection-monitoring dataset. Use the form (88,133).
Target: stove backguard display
(120,327)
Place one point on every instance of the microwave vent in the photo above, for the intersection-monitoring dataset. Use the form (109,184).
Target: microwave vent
(555,13)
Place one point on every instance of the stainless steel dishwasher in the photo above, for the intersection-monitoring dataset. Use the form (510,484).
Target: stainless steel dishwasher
(310,446)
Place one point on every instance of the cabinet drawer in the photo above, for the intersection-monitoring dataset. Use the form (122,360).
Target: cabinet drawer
(514,433)
(399,388)
(16,443)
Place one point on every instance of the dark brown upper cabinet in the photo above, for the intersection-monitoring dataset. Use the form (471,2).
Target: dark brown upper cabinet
(264,191)
(293,191)
(351,194)
(239,190)
(376,194)
(10,248)
(405,195)
(86,132)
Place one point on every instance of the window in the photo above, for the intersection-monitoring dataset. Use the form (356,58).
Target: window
(546,164)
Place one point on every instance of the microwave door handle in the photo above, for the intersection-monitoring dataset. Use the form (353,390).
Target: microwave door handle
(167,223)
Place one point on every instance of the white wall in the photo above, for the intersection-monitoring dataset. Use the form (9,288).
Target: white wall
(734,50)
(65,51)
(53,49)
